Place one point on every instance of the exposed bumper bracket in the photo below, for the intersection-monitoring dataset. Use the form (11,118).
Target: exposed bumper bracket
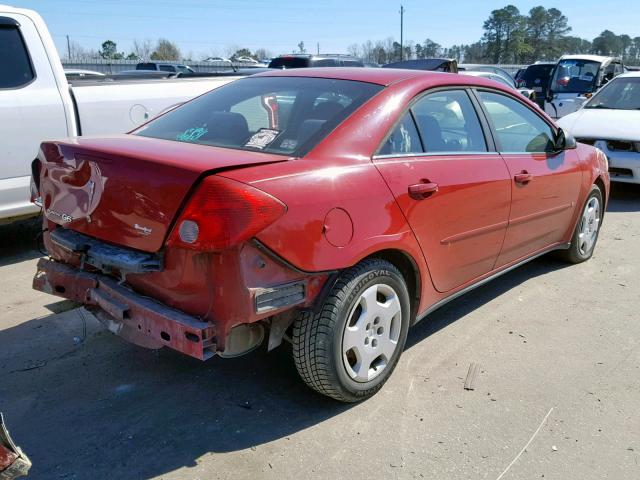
(138,319)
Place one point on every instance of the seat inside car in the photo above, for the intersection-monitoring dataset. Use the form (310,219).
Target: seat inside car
(431,133)
(227,127)
(319,115)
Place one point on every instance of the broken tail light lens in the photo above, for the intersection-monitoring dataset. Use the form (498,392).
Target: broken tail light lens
(222,213)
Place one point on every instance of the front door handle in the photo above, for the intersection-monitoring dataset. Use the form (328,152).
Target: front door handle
(523,178)
(420,191)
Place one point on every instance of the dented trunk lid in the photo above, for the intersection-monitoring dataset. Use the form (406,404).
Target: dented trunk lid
(127,189)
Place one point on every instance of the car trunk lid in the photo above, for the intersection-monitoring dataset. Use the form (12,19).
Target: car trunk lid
(125,189)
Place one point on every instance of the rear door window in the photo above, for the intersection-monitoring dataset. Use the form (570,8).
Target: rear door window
(404,139)
(15,65)
(448,122)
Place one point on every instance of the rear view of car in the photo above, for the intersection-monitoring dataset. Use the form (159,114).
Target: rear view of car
(536,77)
(160,210)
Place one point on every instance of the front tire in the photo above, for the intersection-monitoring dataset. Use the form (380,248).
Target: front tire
(586,233)
(350,347)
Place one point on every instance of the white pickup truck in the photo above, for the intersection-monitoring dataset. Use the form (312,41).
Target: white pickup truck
(37,103)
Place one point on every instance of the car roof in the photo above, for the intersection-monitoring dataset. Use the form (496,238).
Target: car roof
(380,76)
(593,58)
(633,74)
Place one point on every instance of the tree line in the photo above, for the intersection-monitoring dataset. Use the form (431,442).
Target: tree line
(509,37)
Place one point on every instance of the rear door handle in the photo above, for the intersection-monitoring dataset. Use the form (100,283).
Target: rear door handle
(420,191)
(523,178)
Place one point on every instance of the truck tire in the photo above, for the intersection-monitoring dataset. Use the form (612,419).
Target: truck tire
(350,347)
(586,233)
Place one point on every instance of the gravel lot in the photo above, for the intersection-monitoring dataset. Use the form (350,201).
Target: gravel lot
(559,348)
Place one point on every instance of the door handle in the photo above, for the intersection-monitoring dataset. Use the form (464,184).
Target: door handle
(420,191)
(523,178)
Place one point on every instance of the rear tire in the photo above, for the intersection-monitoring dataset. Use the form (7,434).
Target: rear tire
(350,347)
(585,236)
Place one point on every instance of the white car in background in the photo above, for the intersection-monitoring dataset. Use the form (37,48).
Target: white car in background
(610,120)
(38,103)
(575,78)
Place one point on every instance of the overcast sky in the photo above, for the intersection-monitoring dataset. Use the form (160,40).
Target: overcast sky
(207,27)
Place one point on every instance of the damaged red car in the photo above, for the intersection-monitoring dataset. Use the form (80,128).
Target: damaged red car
(331,208)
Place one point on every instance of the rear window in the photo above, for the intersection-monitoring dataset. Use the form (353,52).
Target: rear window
(289,62)
(16,69)
(534,72)
(282,115)
(146,66)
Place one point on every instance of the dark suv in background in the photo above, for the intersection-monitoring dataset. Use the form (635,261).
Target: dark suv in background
(304,60)
(536,77)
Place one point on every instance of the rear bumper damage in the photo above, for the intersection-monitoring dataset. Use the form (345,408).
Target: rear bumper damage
(13,462)
(138,319)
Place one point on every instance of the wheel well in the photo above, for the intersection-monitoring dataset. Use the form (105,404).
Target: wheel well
(600,185)
(409,270)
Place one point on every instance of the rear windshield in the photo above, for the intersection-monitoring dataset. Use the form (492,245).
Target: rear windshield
(541,73)
(575,76)
(289,62)
(283,115)
(146,66)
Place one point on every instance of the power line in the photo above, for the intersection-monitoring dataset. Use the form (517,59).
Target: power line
(401,32)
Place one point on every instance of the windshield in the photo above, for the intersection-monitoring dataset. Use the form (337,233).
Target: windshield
(575,76)
(284,115)
(620,93)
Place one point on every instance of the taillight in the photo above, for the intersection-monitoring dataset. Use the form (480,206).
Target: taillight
(222,213)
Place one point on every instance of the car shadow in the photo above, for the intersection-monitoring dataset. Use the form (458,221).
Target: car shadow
(19,241)
(103,409)
(119,411)
(470,301)
(624,197)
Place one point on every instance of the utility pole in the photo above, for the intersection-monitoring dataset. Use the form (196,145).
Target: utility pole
(68,49)
(318,49)
(401,32)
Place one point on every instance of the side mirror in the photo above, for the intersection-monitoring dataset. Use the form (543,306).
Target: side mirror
(564,141)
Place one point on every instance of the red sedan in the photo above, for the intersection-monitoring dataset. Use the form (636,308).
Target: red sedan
(332,208)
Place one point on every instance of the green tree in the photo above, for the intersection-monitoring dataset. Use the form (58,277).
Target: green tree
(166,50)
(571,45)
(504,34)
(607,43)
(109,50)
(301,48)
(557,28)
(431,49)
(242,52)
